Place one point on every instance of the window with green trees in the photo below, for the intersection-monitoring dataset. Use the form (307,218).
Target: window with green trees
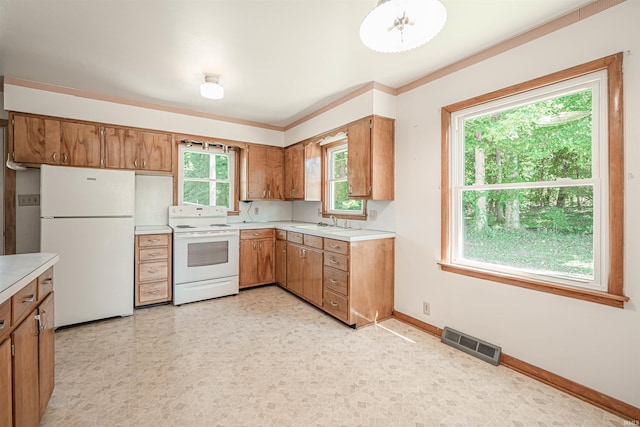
(532,184)
(206,177)
(337,183)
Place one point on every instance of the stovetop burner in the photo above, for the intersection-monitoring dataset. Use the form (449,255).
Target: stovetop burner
(185,226)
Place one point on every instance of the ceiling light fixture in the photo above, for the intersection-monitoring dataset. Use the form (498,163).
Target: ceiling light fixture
(211,88)
(401,25)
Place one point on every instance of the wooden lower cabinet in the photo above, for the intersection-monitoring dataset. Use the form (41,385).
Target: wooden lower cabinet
(27,376)
(257,250)
(153,283)
(304,272)
(6,401)
(26,393)
(281,263)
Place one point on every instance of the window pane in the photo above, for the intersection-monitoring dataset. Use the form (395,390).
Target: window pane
(541,230)
(195,193)
(341,201)
(222,194)
(196,165)
(222,167)
(541,141)
(340,165)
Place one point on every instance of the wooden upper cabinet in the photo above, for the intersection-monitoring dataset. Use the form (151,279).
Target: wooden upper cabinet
(138,150)
(80,145)
(371,159)
(294,172)
(312,172)
(262,170)
(36,139)
(359,160)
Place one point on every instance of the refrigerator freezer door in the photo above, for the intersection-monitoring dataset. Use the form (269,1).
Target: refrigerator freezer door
(82,192)
(94,278)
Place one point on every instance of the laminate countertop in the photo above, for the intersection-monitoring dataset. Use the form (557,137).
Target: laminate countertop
(331,232)
(17,271)
(152,229)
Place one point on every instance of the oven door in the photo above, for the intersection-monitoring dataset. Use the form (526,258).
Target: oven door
(205,255)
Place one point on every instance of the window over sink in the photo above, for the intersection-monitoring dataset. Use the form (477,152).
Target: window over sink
(336,183)
(206,177)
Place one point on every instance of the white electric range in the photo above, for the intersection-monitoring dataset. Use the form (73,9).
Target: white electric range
(205,253)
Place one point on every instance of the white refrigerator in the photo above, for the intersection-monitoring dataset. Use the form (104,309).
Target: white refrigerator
(86,217)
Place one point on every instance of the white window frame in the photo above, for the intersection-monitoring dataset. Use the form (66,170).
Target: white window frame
(211,151)
(329,180)
(597,83)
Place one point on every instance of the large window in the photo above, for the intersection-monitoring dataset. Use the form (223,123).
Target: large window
(336,182)
(206,177)
(533,194)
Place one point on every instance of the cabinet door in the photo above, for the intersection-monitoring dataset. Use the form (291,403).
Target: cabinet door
(155,152)
(294,163)
(25,373)
(312,172)
(113,148)
(80,144)
(281,262)
(275,164)
(265,261)
(257,173)
(295,268)
(6,407)
(36,140)
(313,267)
(359,160)
(248,262)
(132,140)
(46,360)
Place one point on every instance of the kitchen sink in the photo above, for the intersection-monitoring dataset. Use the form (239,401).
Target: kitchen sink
(317,227)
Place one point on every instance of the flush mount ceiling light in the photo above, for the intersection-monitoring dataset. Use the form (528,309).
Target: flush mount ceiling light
(401,25)
(211,88)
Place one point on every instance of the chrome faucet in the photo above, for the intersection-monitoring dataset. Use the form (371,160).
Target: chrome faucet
(334,219)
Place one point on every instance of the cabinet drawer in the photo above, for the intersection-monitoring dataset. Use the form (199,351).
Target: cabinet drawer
(151,271)
(24,301)
(336,261)
(313,241)
(5,318)
(263,233)
(337,246)
(281,234)
(153,240)
(336,304)
(45,284)
(152,254)
(294,237)
(155,291)
(336,280)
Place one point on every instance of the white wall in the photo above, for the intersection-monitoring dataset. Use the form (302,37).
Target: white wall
(266,211)
(154,195)
(27,217)
(384,212)
(591,344)
(28,100)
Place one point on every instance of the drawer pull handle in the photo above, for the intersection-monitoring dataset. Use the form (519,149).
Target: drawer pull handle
(47,282)
(334,281)
(333,261)
(153,271)
(154,292)
(333,304)
(155,254)
(255,233)
(334,246)
(28,299)
(2,324)
(43,319)
(154,240)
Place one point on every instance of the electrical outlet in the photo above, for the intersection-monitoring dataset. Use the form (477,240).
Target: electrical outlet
(256,211)
(28,200)
(373,215)
(319,213)
(426,308)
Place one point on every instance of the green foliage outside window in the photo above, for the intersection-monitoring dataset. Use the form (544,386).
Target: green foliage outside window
(339,186)
(206,179)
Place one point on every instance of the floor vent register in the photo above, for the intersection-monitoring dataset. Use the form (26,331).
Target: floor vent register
(473,346)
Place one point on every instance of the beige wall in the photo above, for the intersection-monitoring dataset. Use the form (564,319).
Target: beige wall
(591,344)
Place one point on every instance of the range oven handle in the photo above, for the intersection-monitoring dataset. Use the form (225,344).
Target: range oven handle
(205,235)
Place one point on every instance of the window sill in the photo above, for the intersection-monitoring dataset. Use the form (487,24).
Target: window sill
(360,217)
(566,291)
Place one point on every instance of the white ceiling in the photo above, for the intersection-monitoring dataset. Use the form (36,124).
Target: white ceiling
(278,59)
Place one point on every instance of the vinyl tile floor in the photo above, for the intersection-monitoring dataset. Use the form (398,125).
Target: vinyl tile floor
(266,358)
